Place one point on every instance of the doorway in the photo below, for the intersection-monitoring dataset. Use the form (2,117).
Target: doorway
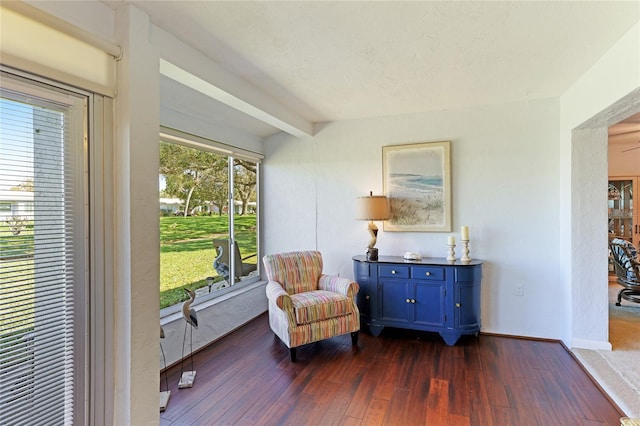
(589,249)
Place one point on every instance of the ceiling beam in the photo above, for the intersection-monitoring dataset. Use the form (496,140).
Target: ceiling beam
(299,127)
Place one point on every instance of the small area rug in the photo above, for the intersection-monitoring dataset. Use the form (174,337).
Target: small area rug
(618,371)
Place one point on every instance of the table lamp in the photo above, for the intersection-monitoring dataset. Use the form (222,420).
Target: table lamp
(373,207)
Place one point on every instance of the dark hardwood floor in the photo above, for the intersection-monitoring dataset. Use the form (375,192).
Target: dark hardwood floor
(398,378)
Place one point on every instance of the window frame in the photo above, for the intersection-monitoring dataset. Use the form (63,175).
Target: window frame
(84,321)
(169,135)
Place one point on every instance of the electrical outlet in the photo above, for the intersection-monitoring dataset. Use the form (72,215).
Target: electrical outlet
(519,290)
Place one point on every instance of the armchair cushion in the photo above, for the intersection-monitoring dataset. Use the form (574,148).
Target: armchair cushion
(313,306)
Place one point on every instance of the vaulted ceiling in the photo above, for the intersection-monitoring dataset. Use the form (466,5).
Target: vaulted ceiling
(341,60)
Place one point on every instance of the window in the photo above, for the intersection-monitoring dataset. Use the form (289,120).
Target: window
(43,267)
(209,217)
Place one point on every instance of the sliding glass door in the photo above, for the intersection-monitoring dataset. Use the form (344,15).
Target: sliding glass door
(43,253)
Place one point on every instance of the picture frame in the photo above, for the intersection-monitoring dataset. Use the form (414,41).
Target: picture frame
(417,182)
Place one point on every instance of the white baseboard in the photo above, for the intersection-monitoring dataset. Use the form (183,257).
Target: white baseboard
(590,344)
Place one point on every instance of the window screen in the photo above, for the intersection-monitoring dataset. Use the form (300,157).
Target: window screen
(42,268)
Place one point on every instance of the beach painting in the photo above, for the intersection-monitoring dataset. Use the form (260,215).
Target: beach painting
(417,182)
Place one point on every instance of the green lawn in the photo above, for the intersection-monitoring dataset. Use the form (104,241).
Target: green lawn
(187,253)
(186,250)
(16,246)
(17,292)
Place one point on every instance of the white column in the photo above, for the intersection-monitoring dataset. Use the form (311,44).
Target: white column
(589,177)
(136,205)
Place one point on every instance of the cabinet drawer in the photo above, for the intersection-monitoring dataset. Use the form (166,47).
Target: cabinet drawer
(472,274)
(427,273)
(394,271)
(361,269)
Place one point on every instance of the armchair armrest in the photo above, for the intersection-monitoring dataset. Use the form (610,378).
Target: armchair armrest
(281,298)
(337,284)
(635,267)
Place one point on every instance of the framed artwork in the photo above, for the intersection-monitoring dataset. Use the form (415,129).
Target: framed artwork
(417,182)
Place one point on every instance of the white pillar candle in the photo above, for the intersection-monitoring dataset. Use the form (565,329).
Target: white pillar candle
(465,233)
(452,240)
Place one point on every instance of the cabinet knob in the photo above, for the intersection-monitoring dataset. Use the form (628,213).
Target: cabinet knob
(367,297)
(393,272)
(413,300)
(457,305)
(428,274)
(408,300)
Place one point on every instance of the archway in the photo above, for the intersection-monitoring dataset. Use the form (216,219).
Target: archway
(589,176)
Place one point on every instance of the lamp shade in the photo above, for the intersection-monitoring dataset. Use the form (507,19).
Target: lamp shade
(373,207)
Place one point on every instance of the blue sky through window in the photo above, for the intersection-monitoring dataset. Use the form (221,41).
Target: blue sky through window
(16,143)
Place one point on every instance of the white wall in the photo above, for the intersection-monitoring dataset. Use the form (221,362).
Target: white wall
(606,94)
(505,187)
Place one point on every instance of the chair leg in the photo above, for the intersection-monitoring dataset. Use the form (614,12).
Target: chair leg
(354,338)
(292,352)
(619,297)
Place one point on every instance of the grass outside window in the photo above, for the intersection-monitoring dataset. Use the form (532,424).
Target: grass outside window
(187,253)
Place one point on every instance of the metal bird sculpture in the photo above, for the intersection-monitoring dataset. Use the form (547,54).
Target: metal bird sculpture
(221,268)
(166,393)
(190,315)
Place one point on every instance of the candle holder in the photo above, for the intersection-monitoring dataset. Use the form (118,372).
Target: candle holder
(452,252)
(465,251)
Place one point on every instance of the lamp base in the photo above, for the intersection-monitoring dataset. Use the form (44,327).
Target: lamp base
(372,254)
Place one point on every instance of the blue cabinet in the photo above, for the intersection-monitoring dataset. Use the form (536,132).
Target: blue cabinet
(428,294)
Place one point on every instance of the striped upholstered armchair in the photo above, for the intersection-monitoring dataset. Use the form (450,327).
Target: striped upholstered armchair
(306,305)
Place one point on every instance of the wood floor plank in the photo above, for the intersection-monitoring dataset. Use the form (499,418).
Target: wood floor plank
(376,412)
(519,409)
(415,412)
(456,420)
(263,401)
(397,406)
(363,394)
(399,377)
(459,392)
(334,414)
(386,386)
(350,421)
(495,374)
(438,403)
(480,406)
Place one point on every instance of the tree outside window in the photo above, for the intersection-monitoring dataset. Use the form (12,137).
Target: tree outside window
(208,224)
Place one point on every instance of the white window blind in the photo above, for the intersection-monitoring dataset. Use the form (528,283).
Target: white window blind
(34,41)
(42,252)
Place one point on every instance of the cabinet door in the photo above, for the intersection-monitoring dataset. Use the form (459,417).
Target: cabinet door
(467,306)
(364,278)
(394,299)
(623,209)
(428,308)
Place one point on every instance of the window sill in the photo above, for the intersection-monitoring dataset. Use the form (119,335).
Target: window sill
(174,313)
